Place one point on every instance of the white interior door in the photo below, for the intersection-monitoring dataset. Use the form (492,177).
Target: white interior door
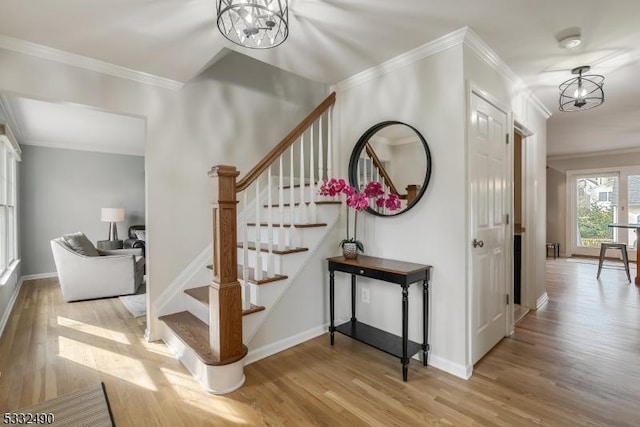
(490,202)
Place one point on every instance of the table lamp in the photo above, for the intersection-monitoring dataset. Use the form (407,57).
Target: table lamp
(113,215)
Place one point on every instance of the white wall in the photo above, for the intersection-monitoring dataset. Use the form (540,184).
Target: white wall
(428,95)
(63,191)
(232,114)
(431,94)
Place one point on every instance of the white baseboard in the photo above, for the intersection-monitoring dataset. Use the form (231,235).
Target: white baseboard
(12,301)
(39,276)
(544,298)
(278,346)
(460,371)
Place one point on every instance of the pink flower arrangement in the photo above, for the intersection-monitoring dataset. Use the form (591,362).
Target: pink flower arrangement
(359,201)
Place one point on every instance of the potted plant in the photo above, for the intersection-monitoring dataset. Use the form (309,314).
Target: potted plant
(358,201)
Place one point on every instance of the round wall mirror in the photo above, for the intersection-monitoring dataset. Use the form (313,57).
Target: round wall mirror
(397,156)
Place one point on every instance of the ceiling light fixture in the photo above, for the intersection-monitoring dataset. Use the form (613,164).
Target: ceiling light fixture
(570,42)
(583,92)
(256,24)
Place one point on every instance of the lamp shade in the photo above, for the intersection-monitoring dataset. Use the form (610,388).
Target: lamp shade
(112,214)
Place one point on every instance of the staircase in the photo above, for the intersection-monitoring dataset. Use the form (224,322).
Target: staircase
(258,252)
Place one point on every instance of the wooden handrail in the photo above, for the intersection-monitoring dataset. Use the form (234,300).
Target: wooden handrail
(377,163)
(277,151)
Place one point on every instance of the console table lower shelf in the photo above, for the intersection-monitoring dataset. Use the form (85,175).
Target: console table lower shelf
(390,271)
(377,338)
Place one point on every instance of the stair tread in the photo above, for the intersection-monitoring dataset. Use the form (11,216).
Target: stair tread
(201,294)
(252,278)
(305,225)
(322,202)
(194,333)
(265,248)
(306,184)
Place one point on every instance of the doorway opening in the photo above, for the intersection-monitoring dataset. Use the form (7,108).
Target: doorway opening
(520,242)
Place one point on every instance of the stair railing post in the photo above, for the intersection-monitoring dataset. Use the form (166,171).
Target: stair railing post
(225,305)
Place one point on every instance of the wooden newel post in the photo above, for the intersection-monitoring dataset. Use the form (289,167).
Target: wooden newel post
(225,297)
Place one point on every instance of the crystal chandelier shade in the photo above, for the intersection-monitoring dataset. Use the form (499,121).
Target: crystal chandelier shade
(583,92)
(256,24)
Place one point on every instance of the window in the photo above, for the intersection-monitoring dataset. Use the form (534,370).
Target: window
(8,196)
(605,196)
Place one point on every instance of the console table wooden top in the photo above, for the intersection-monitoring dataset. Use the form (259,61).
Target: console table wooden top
(381,264)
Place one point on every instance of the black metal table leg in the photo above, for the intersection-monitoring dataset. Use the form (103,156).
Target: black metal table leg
(405,331)
(331,303)
(425,321)
(353,297)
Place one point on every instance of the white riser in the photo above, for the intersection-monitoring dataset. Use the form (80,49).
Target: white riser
(214,379)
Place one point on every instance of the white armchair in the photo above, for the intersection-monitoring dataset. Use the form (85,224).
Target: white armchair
(111,273)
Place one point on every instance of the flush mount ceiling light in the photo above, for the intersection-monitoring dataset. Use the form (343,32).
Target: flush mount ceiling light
(583,92)
(256,24)
(570,42)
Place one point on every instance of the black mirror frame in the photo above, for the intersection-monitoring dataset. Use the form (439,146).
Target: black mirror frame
(355,155)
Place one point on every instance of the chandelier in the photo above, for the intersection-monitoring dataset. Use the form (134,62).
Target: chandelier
(583,92)
(256,24)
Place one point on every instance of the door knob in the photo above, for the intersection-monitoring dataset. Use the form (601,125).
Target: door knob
(477,243)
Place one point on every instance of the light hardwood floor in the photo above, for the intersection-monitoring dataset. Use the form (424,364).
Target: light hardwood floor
(574,362)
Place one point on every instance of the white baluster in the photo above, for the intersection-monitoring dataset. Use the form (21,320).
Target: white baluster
(292,206)
(246,297)
(330,144)
(281,231)
(302,207)
(269,226)
(257,271)
(313,216)
(320,155)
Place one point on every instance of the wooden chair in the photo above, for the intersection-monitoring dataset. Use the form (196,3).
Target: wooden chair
(625,258)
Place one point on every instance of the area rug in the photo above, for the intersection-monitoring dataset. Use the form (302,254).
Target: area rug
(136,303)
(82,408)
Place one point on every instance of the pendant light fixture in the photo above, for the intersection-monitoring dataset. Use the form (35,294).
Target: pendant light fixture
(583,92)
(256,24)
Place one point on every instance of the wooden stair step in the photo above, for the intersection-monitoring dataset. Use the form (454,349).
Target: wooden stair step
(202,294)
(306,184)
(322,202)
(252,277)
(194,333)
(264,224)
(265,248)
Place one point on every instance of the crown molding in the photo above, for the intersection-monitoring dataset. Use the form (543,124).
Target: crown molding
(480,48)
(45,52)
(80,147)
(435,46)
(621,151)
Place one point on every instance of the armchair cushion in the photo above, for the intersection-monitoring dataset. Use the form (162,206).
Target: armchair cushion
(79,243)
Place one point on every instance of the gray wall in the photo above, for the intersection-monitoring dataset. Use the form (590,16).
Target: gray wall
(63,192)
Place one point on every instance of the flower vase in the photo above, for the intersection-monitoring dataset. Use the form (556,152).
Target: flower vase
(350,250)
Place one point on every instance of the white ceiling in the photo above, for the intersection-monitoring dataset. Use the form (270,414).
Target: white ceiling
(74,127)
(331,40)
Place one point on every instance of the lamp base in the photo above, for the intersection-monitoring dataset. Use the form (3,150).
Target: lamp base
(113,231)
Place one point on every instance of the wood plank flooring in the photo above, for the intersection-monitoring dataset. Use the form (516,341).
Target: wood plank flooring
(575,362)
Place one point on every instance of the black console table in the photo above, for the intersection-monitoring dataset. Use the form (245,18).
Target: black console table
(396,272)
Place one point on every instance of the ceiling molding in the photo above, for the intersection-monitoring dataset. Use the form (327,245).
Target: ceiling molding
(621,151)
(5,106)
(81,147)
(480,48)
(435,46)
(45,52)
